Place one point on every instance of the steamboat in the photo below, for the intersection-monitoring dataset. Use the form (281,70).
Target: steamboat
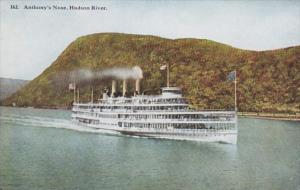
(166,116)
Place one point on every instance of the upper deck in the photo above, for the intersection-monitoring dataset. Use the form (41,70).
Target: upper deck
(171,96)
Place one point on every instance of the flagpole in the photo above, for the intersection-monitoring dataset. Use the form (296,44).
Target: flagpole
(235,100)
(78,95)
(92,95)
(74,93)
(235,97)
(168,74)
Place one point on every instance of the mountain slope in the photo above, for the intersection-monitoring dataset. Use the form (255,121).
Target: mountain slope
(10,86)
(267,80)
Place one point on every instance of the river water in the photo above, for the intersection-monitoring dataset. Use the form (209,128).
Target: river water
(42,149)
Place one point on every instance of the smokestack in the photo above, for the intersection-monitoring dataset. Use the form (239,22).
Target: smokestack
(124,87)
(113,87)
(137,86)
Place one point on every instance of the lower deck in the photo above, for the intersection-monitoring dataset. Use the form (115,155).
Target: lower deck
(208,135)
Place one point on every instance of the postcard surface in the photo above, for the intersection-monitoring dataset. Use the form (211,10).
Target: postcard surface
(149,94)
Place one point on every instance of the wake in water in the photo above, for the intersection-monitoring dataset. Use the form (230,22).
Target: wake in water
(38,121)
(49,122)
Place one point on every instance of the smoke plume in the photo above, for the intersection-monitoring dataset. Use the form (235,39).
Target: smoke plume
(83,75)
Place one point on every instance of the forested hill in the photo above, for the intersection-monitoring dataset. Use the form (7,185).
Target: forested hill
(267,80)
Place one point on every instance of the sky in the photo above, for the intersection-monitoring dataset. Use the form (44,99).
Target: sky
(31,40)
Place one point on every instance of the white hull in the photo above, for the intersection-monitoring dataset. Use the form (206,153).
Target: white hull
(166,116)
(228,136)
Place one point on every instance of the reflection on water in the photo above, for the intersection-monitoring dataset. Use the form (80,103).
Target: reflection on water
(37,155)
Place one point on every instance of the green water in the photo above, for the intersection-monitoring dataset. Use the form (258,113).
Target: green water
(39,150)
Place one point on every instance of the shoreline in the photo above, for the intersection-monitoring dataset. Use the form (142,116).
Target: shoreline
(42,107)
(271,116)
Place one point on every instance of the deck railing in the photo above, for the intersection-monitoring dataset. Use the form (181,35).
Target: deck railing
(92,110)
(155,120)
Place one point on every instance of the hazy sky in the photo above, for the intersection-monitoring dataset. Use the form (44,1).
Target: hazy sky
(32,39)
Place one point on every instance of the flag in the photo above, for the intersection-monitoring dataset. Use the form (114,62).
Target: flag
(72,86)
(163,67)
(231,76)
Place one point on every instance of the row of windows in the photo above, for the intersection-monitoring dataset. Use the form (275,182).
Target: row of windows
(184,117)
(178,126)
(170,107)
(176,116)
(147,101)
(98,115)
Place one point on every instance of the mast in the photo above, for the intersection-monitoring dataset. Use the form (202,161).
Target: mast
(74,93)
(168,74)
(235,101)
(78,95)
(92,95)
(235,98)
